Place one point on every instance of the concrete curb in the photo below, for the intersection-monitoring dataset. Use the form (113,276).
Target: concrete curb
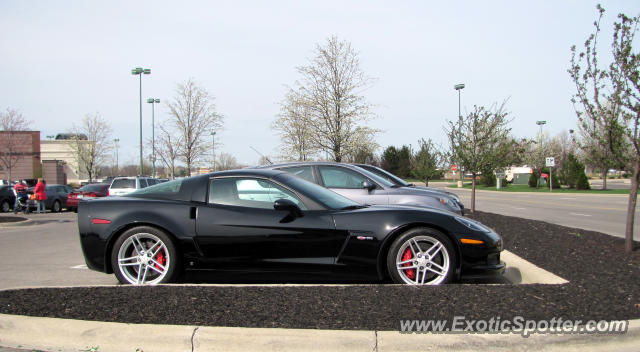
(24,222)
(53,334)
(551,194)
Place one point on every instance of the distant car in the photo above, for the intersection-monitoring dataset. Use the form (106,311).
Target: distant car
(88,191)
(402,183)
(365,187)
(56,197)
(125,185)
(7,198)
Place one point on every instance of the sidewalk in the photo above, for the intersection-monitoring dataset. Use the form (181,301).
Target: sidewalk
(52,334)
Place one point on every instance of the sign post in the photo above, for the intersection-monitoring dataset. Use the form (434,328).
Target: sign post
(499,177)
(454,168)
(550,163)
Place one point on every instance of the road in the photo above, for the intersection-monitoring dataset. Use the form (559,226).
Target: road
(605,213)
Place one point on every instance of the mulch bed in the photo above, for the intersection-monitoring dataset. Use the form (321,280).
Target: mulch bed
(604,284)
(10,219)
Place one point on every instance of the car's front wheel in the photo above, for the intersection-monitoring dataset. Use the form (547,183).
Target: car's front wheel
(421,256)
(144,256)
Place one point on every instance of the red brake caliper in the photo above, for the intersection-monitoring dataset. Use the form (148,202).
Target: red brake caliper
(407,256)
(160,259)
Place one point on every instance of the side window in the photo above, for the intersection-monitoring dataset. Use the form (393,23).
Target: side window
(152,181)
(143,182)
(338,177)
(248,192)
(304,172)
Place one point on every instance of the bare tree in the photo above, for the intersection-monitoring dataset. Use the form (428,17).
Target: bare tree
(194,115)
(168,145)
(607,101)
(330,89)
(227,161)
(292,124)
(480,142)
(11,121)
(91,143)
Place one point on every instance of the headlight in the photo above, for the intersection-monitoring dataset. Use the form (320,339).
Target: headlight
(474,225)
(454,196)
(450,202)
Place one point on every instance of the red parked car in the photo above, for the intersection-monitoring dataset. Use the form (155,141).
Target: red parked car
(87,191)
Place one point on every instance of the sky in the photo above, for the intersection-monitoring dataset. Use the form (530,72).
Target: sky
(61,60)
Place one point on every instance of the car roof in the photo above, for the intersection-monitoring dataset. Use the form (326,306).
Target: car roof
(263,172)
(305,163)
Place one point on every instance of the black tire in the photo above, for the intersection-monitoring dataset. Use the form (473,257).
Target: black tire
(56,207)
(148,237)
(433,268)
(5,207)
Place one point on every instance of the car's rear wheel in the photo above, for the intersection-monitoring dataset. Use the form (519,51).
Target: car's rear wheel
(421,256)
(56,208)
(5,207)
(144,256)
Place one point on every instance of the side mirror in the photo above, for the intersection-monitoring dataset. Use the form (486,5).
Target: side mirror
(368,185)
(288,205)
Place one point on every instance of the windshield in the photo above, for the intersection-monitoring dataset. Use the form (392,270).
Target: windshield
(320,194)
(382,180)
(124,183)
(93,188)
(386,175)
(164,190)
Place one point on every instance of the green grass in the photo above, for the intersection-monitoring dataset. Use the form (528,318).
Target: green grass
(415,180)
(526,188)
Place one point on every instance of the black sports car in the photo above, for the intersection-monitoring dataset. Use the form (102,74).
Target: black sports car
(267,221)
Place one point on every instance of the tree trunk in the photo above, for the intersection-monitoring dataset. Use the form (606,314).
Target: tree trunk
(631,209)
(426,182)
(604,180)
(473,193)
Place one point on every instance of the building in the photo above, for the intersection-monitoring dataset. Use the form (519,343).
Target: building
(62,150)
(20,155)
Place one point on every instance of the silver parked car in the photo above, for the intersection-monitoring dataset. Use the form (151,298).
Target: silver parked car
(380,172)
(365,187)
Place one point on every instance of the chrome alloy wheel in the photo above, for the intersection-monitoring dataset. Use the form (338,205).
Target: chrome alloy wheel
(143,259)
(422,260)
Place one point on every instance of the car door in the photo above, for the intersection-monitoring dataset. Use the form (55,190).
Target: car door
(240,229)
(349,183)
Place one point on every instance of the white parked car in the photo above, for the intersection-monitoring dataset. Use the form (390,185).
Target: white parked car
(124,185)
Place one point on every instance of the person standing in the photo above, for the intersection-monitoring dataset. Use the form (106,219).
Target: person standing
(41,195)
(19,189)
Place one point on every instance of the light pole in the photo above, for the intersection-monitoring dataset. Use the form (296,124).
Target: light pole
(540,123)
(459,87)
(153,102)
(115,141)
(140,71)
(213,149)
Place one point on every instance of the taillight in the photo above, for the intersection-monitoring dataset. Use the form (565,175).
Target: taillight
(90,194)
(107,192)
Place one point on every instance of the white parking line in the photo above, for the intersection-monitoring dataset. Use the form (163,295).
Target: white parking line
(519,208)
(82,266)
(577,214)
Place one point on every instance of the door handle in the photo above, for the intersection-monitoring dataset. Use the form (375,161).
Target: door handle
(193,213)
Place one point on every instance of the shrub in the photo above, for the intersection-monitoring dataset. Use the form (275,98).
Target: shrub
(582,182)
(488,179)
(533,180)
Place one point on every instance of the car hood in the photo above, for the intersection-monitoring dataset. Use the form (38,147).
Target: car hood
(415,190)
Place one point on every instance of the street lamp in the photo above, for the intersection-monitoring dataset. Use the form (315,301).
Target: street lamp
(115,141)
(459,87)
(153,102)
(140,71)
(213,148)
(540,123)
